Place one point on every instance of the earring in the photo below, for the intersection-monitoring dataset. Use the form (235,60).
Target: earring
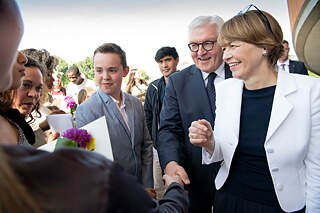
(264,52)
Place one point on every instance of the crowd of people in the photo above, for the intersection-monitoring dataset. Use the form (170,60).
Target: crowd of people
(218,136)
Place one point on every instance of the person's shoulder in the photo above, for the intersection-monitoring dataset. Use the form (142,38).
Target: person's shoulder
(21,151)
(134,101)
(307,85)
(229,82)
(229,85)
(130,97)
(299,64)
(70,85)
(184,72)
(305,80)
(155,83)
(295,61)
(25,155)
(79,155)
(89,82)
(191,68)
(24,152)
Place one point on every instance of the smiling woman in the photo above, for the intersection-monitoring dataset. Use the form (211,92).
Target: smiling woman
(256,113)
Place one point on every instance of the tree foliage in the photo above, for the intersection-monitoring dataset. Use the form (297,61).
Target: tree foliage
(62,68)
(86,67)
(144,75)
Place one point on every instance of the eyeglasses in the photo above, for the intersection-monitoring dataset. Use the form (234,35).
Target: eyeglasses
(207,45)
(264,17)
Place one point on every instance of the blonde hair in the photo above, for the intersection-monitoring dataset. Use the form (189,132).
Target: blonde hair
(250,27)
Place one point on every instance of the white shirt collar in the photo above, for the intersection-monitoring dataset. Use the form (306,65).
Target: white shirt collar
(220,74)
(286,63)
(122,105)
(122,108)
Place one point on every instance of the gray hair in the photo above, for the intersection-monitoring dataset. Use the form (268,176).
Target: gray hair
(202,20)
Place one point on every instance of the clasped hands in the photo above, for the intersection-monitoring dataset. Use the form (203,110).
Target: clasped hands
(200,134)
(173,177)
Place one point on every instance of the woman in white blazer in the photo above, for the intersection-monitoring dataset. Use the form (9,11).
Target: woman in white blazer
(267,128)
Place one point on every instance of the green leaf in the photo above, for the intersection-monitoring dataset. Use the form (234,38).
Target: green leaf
(65,142)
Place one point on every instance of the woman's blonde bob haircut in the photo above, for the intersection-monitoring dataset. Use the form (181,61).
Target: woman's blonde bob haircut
(251,27)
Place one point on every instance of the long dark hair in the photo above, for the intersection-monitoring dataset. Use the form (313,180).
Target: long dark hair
(5,101)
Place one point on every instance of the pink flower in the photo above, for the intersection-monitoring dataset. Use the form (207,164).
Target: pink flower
(70,102)
(80,136)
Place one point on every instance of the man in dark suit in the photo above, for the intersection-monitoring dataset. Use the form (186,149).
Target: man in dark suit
(289,65)
(186,100)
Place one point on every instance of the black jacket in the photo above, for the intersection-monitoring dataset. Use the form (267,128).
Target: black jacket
(152,107)
(76,180)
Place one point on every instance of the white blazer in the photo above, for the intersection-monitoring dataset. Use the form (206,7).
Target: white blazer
(292,143)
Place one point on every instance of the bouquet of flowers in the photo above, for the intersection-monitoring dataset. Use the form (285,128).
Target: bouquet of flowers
(71,104)
(76,138)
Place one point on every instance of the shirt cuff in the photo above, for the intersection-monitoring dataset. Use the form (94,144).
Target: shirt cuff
(207,158)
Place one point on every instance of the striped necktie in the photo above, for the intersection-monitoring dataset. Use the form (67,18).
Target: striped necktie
(212,94)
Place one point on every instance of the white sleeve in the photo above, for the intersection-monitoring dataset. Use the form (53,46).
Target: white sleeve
(312,160)
(216,156)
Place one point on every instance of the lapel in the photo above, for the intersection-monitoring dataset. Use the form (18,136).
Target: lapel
(197,88)
(227,72)
(113,111)
(130,114)
(281,106)
(232,107)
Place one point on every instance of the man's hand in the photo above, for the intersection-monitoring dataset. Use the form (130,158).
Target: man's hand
(200,134)
(151,192)
(173,169)
(171,179)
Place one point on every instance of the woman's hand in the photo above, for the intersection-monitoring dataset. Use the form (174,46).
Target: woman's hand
(200,134)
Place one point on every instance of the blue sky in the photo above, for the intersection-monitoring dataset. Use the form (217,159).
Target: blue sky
(73,29)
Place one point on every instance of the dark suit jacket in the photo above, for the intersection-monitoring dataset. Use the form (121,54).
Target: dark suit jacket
(186,101)
(297,67)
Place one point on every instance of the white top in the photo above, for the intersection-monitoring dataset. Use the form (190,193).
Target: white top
(122,109)
(73,89)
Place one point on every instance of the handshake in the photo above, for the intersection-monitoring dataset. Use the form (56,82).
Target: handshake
(168,179)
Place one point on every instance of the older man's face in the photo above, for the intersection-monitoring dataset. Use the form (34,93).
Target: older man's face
(207,61)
